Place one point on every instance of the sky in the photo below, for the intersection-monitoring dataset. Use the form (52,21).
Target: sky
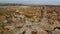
(32,1)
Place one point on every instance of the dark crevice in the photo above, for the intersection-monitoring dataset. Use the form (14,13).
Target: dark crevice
(34,32)
(28,16)
(19,27)
(56,28)
(23,32)
(49,32)
(50,22)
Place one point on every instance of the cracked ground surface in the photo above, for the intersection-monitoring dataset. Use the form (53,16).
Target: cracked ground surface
(30,20)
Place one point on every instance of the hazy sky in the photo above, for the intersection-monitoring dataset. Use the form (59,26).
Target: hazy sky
(32,1)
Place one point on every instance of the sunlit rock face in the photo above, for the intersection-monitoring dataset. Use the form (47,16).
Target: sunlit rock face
(29,19)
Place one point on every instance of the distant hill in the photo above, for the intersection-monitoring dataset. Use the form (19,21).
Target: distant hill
(10,4)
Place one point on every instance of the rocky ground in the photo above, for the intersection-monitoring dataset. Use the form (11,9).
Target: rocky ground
(30,20)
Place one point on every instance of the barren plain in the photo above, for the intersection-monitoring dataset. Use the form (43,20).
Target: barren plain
(30,19)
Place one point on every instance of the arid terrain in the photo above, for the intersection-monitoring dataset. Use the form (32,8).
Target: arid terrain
(30,19)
